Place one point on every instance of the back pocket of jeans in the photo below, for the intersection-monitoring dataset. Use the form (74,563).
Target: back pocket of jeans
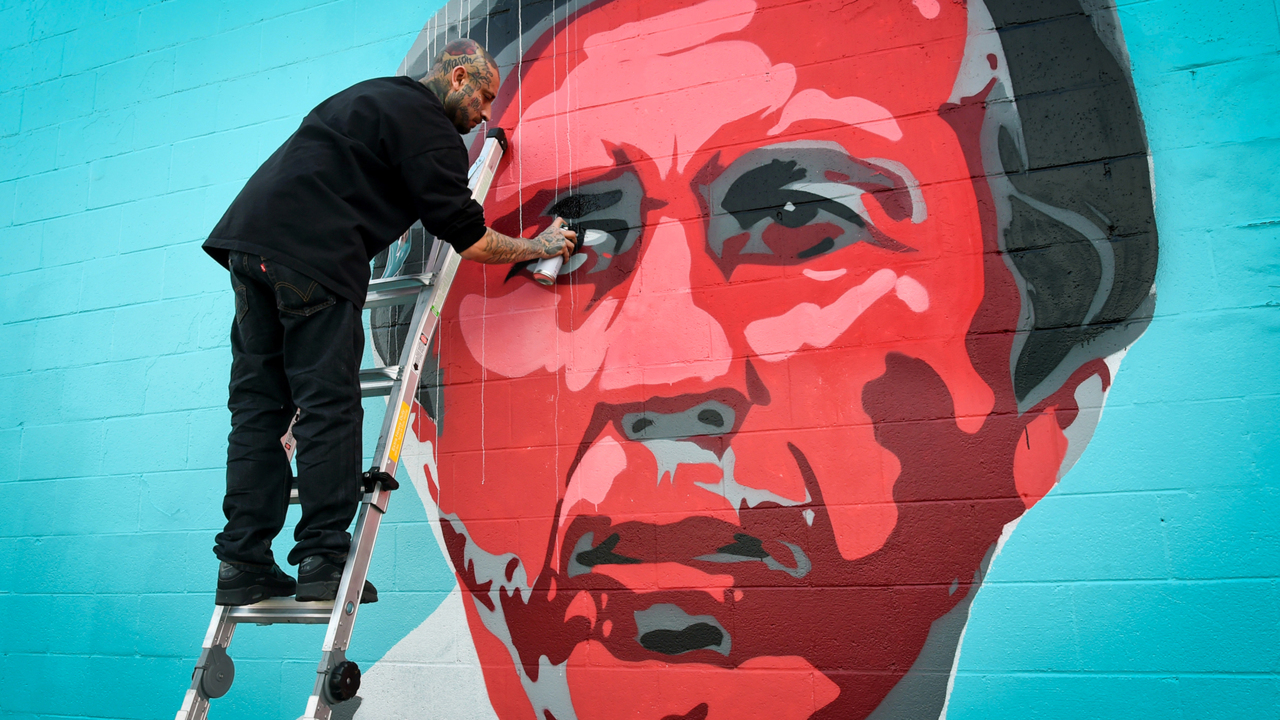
(242,302)
(296,293)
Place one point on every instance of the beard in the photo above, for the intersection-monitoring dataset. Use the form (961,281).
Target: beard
(460,106)
(862,623)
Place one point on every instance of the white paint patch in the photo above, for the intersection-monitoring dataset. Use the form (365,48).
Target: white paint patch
(824,275)
(434,672)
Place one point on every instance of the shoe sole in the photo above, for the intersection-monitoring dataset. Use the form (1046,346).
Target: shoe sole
(327,591)
(317,591)
(246,596)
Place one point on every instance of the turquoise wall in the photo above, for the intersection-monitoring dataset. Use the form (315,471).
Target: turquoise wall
(1144,585)
(127,128)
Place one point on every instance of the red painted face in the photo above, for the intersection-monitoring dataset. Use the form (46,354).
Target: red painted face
(739,456)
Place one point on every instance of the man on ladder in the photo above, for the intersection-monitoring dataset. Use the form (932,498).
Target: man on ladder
(362,167)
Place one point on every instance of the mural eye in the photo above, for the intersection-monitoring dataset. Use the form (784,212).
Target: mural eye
(786,204)
(606,216)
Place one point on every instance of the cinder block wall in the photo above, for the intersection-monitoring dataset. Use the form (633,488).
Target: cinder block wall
(1143,585)
(127,128)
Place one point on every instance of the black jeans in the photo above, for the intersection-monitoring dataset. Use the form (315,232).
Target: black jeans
(294,345)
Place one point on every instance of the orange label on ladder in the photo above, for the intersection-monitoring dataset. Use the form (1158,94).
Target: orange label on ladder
(397,436)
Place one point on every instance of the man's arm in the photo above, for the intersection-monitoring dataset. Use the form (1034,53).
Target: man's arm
(496,248)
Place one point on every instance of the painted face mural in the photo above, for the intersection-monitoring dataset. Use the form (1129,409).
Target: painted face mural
(840,317)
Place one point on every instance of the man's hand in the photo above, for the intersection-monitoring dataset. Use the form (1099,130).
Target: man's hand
(496,248)
(556,240)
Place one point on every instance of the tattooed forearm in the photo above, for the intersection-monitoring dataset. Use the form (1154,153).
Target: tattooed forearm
(503,249)
(497,248)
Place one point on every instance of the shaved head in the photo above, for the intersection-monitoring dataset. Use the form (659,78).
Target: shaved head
(464,52)
(465,78)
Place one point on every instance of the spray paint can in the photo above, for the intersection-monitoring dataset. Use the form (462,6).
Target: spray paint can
(546,269)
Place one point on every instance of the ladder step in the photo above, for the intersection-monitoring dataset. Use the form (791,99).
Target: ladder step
(377,381)
(399,290)
(295,500)
(282,610)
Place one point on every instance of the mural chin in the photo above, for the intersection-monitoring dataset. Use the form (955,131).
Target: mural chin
(752,453)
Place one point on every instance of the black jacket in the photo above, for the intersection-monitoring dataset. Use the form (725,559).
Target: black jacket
(362,167)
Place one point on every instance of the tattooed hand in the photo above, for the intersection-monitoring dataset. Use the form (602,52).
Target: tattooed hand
(556,240)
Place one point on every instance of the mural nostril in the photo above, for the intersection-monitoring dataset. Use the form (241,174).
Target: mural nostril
(711,417)
(708,418)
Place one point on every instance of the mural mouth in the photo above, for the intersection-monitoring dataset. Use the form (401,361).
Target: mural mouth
(705,544)
(671,591)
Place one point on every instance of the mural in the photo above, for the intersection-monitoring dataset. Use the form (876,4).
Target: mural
(855,282)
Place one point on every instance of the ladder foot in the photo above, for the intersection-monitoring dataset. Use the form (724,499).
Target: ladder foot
(343,683)
(217,672)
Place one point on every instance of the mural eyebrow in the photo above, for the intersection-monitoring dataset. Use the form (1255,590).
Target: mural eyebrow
(576,206)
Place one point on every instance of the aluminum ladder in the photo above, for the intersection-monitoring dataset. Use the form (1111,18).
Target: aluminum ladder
(337,678)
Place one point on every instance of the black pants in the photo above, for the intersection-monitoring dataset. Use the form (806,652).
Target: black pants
(294,345)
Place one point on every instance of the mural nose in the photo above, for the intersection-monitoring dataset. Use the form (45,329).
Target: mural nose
(708,418)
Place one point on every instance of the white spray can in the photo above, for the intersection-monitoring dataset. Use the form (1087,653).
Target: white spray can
(546,269)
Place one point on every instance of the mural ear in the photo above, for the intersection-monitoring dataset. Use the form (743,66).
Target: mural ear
(1057,430)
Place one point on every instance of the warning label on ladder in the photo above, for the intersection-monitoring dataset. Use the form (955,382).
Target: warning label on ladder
(402,421)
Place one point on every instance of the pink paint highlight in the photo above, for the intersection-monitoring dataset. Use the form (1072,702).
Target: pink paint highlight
(524,337)
(928,8)
(859,112)
(629,66)
(660,335)
(594,476)
(912,293)
(777,338)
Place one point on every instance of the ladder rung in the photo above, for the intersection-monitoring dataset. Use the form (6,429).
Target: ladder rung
(377,381)
(398,290)
(282,610)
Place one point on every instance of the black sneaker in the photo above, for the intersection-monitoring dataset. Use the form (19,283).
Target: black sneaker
(319,576)
(245,584)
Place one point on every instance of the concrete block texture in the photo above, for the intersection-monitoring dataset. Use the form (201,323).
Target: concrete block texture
(918,363)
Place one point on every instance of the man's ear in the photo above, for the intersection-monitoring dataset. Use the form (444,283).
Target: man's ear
(1056,431)
(458,78)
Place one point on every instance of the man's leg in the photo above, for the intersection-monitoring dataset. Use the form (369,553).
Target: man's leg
(323,344)
(258,474)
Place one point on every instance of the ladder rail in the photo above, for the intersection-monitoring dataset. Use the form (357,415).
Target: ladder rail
(404,388)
